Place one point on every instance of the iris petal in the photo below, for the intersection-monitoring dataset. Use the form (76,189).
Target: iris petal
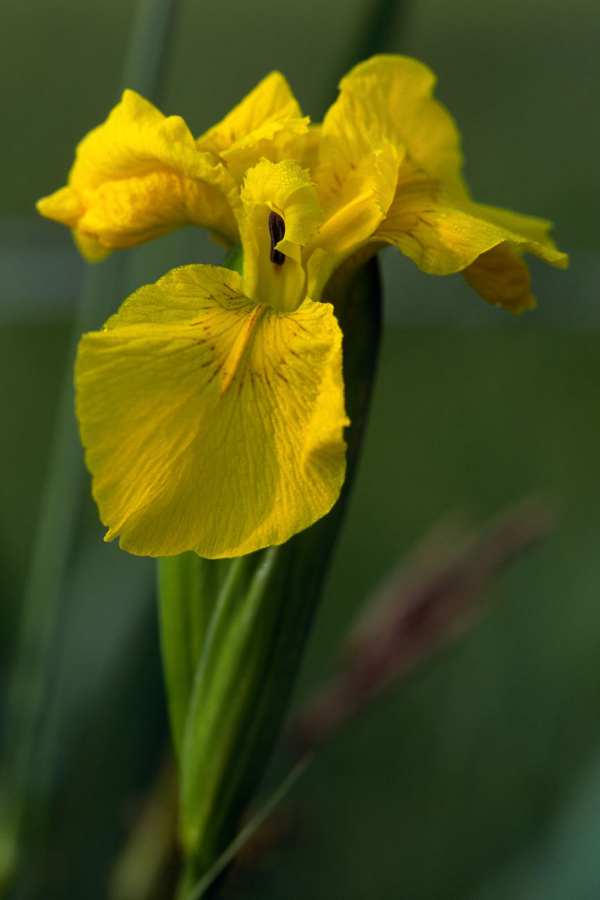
(137,177)
(445,233)
(391,99)
(269,103)
(211,423)
(285,189)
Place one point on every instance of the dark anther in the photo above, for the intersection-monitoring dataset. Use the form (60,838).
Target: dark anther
(277,230)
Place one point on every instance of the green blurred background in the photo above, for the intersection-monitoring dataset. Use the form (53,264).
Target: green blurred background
(480,778)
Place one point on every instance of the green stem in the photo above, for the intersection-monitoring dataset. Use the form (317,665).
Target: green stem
(191,890)
(259,626)
(183,626)
(31,742)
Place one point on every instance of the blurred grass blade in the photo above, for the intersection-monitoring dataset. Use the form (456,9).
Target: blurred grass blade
(29,740)
(149,46)
(431,600)
(148,854)
(27,751)
(380,22)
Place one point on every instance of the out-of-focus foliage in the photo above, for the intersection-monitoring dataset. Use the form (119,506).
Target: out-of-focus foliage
(479,779)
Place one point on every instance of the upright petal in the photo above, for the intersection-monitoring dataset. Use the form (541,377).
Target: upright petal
(356,201)
(284,189)
(390,98)
(267,123)
(211,423)
(137,177)
(354,208)
(271,102)
(275,141)
(356,175)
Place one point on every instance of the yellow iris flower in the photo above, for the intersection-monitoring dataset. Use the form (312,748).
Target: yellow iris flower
(211,406)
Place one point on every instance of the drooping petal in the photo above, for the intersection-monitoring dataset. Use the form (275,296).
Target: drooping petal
(390,99)
(450,236)
(445,233)
(211,423)
(90,248)
(418,200)
(501,276)
(136,177)
(285,189)
(136,210)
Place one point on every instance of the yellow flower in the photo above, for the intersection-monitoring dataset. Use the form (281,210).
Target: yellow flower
(212,405)
(385,107)
(141,175)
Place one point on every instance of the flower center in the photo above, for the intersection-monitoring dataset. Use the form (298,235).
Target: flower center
(277,232)
(267,279)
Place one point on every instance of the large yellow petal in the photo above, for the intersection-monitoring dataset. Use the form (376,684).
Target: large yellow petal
(390,99)
(138,176)
(211,423)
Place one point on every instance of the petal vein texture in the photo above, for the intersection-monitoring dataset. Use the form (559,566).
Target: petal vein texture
(211,423)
